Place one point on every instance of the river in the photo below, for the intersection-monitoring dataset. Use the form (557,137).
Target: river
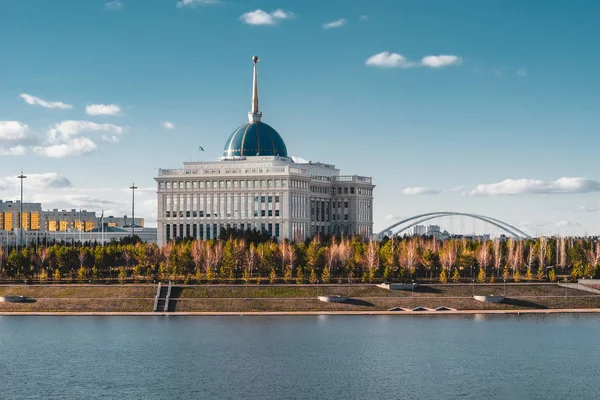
(310,357)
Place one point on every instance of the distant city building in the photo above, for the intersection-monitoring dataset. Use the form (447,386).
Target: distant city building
(73,225)
(432,229)
(31,220)
(419,230)
(123,222)
(69,220)
(256,185)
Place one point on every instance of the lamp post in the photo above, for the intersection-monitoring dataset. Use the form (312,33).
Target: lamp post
(21,177)
(504,287)
(133,187)
(473,287)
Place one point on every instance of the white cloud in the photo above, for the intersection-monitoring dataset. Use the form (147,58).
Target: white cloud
(364,18)
(63,139)
(260,17)
(13,130)
(66,129)
(385,59)
(39,182)
(393,217)
(56,191)
(335,24)
(111,138)
(565,223)
(420,191)
(114,5)
(588,209)
(522,72)
(168,125)
(72,147)
(533,186)
(33,100)
(13,151)
(103,109)
(440,61)
(194,3)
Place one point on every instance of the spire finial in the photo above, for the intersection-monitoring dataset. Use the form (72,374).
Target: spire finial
(255,115)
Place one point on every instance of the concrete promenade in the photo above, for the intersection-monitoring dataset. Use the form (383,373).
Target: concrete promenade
(301,313)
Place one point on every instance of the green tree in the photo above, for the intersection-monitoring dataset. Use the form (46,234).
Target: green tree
(506,272)
(455,275)
(56,276)
(529,275)
(287,274)
(122,274)
(325,276)
(481,275)
(540,273)
(517,276)
(299,275)
(443,276)
(313,276)
(272,276)
(82,274)
(43,275)
(552,275)
(577,271)
(228,261)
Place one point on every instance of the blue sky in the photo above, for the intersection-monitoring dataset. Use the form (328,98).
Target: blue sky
(512,107)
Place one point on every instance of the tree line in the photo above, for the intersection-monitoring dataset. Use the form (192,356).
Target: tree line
(257,258)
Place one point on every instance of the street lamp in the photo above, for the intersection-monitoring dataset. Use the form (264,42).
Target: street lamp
(504,287)
(473,280)
(21,177)
(132,187)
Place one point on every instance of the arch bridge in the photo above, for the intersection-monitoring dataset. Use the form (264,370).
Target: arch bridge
(408,223)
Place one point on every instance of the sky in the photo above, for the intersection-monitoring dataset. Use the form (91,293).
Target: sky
(481,107)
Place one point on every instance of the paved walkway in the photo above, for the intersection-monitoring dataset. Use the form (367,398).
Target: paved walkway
(298,313)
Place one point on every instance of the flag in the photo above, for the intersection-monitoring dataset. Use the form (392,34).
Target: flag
(200,148)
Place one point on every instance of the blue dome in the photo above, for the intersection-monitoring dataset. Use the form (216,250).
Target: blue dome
(254,139)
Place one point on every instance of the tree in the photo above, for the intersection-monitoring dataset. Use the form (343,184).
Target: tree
(299,276)
(43,275)
(372,259)
(505,272)
(552,275)
(197,255)
(515,254)
(56,275)
(448,255)
(313,277)
(82,274)
(498,256)
(481,275)
(409,256)
(455,275)
(443,276)
(228,261)
(325,276)
(529,261)
(483,255)
(272,276)
(517,276)
(122,274)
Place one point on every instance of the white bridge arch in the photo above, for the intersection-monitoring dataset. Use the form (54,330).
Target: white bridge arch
(417,219)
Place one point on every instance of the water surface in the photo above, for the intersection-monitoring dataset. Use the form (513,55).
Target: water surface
(311,357)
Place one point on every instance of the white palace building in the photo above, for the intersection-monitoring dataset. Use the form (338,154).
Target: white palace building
(255,185)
